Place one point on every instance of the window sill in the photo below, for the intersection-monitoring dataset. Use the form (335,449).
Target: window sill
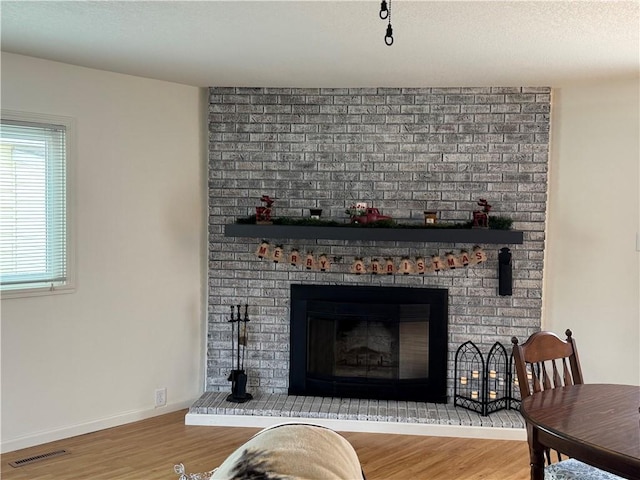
(36,292)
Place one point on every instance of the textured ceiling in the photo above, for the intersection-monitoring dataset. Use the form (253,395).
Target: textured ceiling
(334,43)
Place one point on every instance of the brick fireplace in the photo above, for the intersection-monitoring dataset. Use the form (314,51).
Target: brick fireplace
(404,150)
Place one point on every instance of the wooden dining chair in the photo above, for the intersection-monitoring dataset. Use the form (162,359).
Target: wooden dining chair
(546,361)
(543,362)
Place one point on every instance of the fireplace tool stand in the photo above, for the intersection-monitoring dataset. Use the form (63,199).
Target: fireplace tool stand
(238,377)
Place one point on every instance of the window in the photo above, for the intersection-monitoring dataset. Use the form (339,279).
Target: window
(35,240)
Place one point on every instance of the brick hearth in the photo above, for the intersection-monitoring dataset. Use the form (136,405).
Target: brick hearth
(356,415)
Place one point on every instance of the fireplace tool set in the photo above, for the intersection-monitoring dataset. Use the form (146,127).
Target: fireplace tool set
(238,377)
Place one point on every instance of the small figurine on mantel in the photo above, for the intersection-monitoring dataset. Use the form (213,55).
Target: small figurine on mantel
(362,214)
(481,217)
(263,214)
(430,217)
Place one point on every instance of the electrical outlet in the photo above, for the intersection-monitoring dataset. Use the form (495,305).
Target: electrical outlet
(161,397)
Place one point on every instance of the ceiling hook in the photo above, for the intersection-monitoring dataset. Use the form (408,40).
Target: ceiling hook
(384,12)
(388,38)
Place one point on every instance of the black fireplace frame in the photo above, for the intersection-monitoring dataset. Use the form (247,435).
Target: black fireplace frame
(430,389)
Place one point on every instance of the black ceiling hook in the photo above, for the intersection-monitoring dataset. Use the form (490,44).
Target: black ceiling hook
(384,12)
(388,38)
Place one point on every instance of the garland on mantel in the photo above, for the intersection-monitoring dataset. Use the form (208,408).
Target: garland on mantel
(389,266)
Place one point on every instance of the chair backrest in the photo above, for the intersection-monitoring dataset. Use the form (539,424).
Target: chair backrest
(540,360)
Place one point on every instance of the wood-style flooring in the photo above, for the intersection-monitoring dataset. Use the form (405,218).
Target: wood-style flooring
(148,450)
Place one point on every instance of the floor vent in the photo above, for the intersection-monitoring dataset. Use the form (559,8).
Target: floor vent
(37,458)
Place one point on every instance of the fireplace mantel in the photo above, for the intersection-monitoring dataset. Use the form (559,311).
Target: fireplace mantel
(427,235)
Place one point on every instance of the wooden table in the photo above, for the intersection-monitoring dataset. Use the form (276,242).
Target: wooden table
(596,424)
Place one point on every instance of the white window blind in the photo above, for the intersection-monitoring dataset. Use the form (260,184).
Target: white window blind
(33,205)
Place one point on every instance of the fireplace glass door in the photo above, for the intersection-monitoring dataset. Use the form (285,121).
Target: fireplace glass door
(368,341)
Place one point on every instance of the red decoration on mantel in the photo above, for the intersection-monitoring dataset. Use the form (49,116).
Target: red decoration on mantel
(263,214)
(481,217)
(367,215)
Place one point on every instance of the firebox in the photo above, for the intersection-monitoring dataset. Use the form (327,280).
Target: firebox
(369,342)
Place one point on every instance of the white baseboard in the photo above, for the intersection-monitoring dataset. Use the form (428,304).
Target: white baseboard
(435,430)
(80,429)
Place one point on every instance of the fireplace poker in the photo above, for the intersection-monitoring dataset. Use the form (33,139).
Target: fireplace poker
(244,334)
(238,352)
(231,320)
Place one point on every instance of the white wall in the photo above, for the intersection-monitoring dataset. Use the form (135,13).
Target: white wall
(592,266)
(83,361)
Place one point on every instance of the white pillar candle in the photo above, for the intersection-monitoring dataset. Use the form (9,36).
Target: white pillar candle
(474,374)
(492,374)
(492,395)
(474,394)
(463,380)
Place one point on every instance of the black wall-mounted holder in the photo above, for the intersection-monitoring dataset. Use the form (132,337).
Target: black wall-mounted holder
(505,274)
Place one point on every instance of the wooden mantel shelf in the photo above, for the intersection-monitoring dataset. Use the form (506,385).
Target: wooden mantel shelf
(432,235)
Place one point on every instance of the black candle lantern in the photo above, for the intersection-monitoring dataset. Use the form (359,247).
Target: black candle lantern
(482,386)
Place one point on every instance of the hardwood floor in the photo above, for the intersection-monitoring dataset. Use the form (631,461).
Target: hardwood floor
(148,450)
